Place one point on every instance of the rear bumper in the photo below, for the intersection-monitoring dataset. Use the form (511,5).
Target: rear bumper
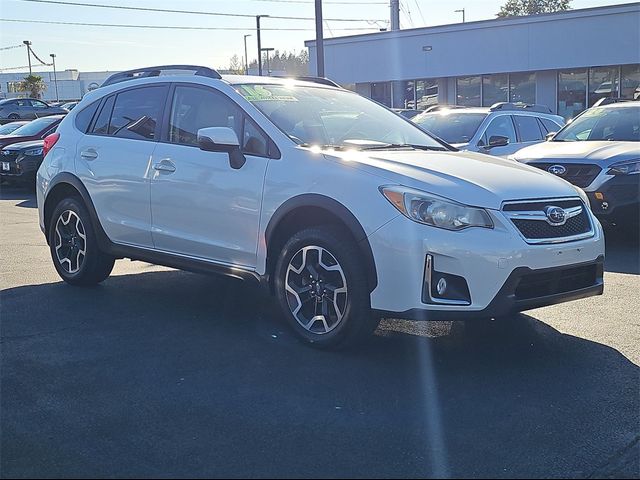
(525,289)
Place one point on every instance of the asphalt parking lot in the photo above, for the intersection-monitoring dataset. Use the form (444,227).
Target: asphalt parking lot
(160,373)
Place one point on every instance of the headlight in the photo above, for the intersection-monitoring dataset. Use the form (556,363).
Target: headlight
(629,167)
(432,210)
(34,151)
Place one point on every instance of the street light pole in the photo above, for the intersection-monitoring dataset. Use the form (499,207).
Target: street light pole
(246,58)
(258,17)
(55,75)
(28,44)
(319,40)
(461,11)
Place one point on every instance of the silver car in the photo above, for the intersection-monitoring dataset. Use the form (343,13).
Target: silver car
(27,108)
(500,130)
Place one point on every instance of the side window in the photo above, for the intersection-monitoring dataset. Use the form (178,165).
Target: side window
(136,113)
(253,140)
(84,117)
(38,104)
(101,126)
(500,126)
(528,128)
(549,125)
(23,103)
(195,108)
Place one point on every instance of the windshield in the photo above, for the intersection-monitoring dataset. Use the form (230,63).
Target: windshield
(35,127)
(615,124)
(452,127)
(331,117)
(9,128)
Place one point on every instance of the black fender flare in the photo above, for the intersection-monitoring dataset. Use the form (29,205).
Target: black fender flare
(338,210)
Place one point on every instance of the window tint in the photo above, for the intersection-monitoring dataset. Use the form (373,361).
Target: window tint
(38,104)
(101,126)
(136,113)
(84,117)
(450,126)
(253,141)
(23,103)
(196,108)
(500,126)
(549,125)
(528,128)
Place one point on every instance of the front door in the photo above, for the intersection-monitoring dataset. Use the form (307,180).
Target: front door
(201,207)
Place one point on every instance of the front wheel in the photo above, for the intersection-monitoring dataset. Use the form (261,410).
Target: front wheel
(74,246)
(321,286)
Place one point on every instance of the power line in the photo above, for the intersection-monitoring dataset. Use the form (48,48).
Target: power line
(190,12)
(325,2)
(417,2)
(11,47)
(171,27)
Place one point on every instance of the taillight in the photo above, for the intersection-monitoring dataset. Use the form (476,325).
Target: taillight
(49,142)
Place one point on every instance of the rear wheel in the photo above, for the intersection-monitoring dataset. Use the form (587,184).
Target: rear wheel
(74,247)
(13,116)
(321,286)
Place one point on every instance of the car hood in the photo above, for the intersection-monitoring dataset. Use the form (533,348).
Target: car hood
(602,153)
(24,145)
(467,177)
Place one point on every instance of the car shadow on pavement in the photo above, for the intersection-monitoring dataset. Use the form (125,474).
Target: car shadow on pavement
(178,375)
(19,192)
(623,252)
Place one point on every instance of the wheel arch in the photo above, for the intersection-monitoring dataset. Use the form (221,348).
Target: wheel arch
(312,209)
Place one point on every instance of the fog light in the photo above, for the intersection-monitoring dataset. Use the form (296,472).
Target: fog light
(441,287)
(599,196)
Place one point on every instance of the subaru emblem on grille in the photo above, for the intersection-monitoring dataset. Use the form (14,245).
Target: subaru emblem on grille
(555,215)
(558,170)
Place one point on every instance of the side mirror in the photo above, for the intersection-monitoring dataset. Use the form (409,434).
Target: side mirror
(498,141)
(222,139)
(550,135)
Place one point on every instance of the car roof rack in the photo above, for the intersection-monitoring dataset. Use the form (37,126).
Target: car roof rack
(610,100)
(157,71)
(320,80)
(520,106)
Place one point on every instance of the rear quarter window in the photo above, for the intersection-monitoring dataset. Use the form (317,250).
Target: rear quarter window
(84,117)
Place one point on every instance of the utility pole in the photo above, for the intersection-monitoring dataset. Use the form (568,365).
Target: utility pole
(258,17)
(319,40)
(28,44)
(395,14)
(55,75)
(461,11)
(246,58)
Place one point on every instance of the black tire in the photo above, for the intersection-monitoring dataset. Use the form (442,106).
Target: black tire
(76,268)
(14,116)
(357,321)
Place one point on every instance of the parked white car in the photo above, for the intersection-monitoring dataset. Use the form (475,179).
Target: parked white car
(347,211)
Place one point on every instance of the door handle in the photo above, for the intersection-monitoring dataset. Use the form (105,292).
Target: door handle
(164,166)
(89,154)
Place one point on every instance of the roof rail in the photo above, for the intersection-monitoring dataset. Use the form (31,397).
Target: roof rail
(157,71)
(610,100)
(520,106)
(437,108)
(320,80)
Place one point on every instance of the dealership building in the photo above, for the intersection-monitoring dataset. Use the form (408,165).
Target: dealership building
(564,60)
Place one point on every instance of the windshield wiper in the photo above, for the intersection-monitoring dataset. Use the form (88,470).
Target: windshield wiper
(404,145)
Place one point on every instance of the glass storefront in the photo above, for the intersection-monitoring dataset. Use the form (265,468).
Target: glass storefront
(495,88)
(572,92)
(522,87)
(468,90)
(630,80)
(381,92)
(603,83)
(426,93)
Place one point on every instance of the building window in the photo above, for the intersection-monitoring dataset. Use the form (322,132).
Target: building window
(630,80)
(426,93)
(572,92)
(603,83)
(522,87)
(381,92)
(468,91)
(495,88)
(13,87)
(409,98)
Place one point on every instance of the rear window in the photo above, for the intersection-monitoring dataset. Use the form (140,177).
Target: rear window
(450,126)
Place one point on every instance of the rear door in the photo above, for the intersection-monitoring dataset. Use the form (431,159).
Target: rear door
(113,161)
(25,110)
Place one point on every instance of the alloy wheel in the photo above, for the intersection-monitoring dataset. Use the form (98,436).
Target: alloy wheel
(71,241)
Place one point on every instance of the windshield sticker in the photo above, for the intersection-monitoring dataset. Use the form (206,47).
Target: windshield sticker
(257,93)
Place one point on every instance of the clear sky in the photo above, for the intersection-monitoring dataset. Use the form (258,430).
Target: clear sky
(90,48)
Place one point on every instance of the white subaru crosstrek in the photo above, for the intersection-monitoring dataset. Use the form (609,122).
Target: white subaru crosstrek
(347,211)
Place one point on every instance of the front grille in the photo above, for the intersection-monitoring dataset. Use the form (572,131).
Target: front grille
(580,174)
(535,285)
(531,220)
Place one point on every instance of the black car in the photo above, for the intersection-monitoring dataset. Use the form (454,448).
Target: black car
(35,130)
(19,162)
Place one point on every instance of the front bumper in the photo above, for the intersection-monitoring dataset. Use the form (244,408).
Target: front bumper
(495,263)
(617,200)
